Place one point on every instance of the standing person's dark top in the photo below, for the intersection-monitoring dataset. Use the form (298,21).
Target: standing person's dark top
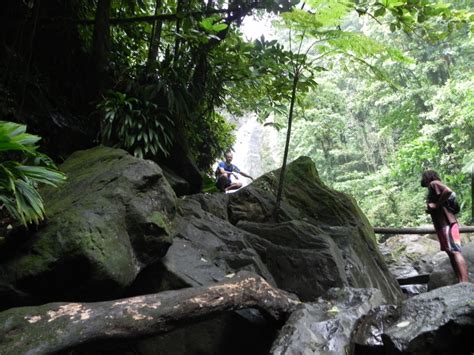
(444,222)
(440,215)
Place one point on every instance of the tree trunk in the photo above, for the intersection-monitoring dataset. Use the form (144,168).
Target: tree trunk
(57,326)
(287,144)
(100,43)
(155,37)
(177,40)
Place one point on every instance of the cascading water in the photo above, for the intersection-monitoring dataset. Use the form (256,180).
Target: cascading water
(256,147)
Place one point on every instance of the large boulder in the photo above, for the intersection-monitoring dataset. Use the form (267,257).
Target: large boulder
(206,249)
(325,327)
(302,258)
(437,322)
(417,257)
(109,221)
(330,225)
(412,257)
(444,274)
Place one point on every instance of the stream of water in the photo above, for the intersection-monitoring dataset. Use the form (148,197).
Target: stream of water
(255,150)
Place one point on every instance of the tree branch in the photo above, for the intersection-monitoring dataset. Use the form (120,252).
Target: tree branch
(424,230)
(56,326)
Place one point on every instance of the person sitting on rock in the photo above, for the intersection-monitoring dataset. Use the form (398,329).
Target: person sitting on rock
(226,172)
(445,223)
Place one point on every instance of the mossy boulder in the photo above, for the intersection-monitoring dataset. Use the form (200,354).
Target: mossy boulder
(343,234)
(110,220)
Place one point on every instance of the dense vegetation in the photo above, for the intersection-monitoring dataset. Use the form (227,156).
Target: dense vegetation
(372,138)
(153,76)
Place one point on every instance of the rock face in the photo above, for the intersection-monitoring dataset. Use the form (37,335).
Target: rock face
(318,226)
(303,258)
(413,255)
(322,240)
(444,275)
(325,327)
(438,322)
(408,256)
(310,251)
(206,248)
(105,224)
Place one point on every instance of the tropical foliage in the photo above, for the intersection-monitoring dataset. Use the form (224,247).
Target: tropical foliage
(22,169)
(373,138)
(378,89)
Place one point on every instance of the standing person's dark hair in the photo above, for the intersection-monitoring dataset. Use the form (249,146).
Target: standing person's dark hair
(428,176)
(444,222)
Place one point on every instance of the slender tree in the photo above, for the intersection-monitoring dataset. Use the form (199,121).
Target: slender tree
(100,42)
(155,36)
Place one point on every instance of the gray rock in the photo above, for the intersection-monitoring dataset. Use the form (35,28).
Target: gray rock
(207,249)
(436,322)
(323,241)
(215,204)
(180,186)
(444,274)
(367,338)
(336,218)
(412,255)
(105,224)
(325,327)
(302,258)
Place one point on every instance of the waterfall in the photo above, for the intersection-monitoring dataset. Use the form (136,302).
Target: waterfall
(256,147)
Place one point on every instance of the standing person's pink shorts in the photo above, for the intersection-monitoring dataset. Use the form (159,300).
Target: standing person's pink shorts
(449,238)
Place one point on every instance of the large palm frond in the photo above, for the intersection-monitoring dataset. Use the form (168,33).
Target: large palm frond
(19,179)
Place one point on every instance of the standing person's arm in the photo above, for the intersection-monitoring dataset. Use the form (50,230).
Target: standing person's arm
(443,193)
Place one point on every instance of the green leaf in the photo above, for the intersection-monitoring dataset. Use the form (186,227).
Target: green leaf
(207,24)
(219,27)
(18,181)
(379,12)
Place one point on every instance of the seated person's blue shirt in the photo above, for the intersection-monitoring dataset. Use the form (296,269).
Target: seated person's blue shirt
(228,167)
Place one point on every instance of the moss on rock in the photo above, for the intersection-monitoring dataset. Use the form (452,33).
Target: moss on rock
(95,240)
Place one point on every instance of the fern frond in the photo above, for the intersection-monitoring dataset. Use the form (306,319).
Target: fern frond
(322,14)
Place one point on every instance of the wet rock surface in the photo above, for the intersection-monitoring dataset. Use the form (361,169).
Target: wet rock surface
(438,322)
(410,256)
(325,326)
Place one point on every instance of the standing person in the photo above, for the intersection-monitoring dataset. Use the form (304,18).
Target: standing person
(445,223)
(225,171)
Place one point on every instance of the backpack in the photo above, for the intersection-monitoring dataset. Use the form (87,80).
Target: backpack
(452,204)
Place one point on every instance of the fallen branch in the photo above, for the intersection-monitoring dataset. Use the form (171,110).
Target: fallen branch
(421,230)
(56,326)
